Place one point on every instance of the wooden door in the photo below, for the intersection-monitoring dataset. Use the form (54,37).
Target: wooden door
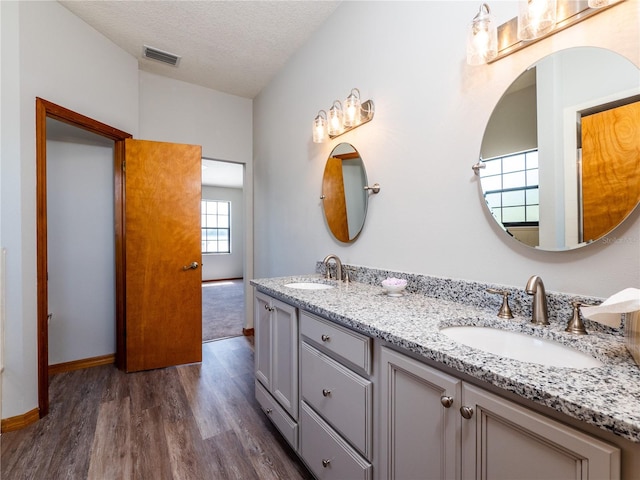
(163,309)
(610,166)
(335,208)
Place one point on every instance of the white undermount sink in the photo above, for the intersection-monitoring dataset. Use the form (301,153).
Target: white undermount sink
(520,346)
(308,286)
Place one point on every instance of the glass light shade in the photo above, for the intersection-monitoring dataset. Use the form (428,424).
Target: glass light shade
(600,3)
(336,119)
(352,109)
(536,18)
(320,127)
(482,39)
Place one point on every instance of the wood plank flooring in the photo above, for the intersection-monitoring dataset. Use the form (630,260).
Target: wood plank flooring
(191,422)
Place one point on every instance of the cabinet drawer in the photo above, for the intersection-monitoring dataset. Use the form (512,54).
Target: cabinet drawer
(277,415)
(349,345)
(341,397)
(326,453)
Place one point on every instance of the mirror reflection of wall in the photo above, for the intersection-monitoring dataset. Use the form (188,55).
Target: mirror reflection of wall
(344,197)
(532,147)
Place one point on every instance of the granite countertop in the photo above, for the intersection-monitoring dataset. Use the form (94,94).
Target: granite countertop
(607,396)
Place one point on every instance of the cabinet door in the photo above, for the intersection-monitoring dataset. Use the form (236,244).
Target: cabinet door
(419,434)
(503,440)
(284,356)
(262,338)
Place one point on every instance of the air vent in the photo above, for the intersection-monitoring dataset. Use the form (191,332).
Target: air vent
(160,56)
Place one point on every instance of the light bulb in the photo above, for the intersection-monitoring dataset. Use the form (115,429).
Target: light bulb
(536,18)
(352,109)
(335,121)
(320,127)
(482,40)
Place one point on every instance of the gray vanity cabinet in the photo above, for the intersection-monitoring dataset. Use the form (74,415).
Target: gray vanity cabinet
(503,440)
(276,363)
(420,423)
(425,432)
(336,412)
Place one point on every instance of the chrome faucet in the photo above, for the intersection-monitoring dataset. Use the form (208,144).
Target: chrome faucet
(338,266)
(540,312)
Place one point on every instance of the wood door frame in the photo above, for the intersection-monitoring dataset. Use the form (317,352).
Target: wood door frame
(44,110)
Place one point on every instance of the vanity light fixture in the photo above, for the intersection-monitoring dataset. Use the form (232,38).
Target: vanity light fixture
(336,119)
(352,108)
(536,21)
(482,40)
(341,120)
(320,127)
(536,18)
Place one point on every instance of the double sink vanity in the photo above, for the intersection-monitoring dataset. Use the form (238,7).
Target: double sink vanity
(432,384)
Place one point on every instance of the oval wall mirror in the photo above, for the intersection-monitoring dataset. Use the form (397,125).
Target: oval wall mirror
(344,198)
(561,150)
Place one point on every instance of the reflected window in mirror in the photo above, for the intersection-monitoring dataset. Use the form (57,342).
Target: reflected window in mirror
(570,107)
(510,185)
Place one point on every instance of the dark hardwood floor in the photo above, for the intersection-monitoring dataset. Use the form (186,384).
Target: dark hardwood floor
(197,422)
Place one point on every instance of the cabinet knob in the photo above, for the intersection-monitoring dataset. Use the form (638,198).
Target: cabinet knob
(446,401)
(326,462)
(325,338)
(325,392)
(466,412)
(268,411)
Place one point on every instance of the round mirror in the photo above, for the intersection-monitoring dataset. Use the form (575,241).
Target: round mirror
(344,198)
(561,153)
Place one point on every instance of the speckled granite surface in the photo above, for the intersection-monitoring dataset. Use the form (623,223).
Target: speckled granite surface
(606,396)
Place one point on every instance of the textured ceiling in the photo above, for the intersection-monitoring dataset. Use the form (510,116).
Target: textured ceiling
(234,47)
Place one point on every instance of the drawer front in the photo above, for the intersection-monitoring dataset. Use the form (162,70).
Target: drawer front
(351,346)
(326,454)
(277,415)
(341,397)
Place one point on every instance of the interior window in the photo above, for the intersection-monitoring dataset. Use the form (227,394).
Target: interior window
(511,188)
(216,226)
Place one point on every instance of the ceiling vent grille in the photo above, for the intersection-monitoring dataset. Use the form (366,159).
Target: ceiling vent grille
(161,56)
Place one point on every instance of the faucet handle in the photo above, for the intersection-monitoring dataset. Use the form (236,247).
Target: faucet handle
(576,325)
(505,310)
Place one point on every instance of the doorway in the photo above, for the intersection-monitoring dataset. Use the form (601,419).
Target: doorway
(223,250)
(47,110)
(81,269)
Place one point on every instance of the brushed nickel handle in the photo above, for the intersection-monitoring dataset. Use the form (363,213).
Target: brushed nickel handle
(326,462)
(325,392)
(466,412)
(191,266)
(325,338)
(446,401)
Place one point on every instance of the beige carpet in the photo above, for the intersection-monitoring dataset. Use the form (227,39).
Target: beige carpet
(222,309)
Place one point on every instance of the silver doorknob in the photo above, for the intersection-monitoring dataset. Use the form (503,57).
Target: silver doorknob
(446,401)
(191,266)
(466,412)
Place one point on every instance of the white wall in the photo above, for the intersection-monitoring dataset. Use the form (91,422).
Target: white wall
(223,266)
(431,109)
(50,53)
(80,226)
(179,112)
